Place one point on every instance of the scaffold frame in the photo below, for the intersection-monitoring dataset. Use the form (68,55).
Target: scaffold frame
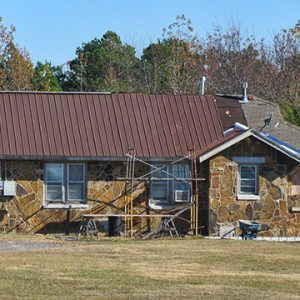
(130,209)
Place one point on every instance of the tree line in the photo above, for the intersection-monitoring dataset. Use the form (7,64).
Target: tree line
(173,64)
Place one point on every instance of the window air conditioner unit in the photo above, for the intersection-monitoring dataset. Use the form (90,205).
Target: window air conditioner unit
(182,196)
(9,188)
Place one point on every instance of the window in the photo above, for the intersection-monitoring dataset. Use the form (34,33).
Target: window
(248,184)
(64,184)
(169,184)
(54,182)
(76,182)
(248,181)
(160,187)
(181,187)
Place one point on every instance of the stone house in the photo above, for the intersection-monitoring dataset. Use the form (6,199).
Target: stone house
(253,178)
(67,153)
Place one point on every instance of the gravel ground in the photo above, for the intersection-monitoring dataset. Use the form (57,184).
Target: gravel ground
(23,245)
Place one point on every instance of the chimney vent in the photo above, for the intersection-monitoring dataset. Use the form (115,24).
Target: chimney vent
(202,81)
(244,88)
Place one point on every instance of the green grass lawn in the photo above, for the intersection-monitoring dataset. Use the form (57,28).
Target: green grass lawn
(160,269)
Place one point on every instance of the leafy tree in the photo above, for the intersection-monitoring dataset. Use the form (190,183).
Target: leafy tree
(173,65)
(16,69)
(103,65)
(227,58)
(154,67)
(272,70)
(285,56)
(46,77)
(296,29)
(231,58)
(291,113)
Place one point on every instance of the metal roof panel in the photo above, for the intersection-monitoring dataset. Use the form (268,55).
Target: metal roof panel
(59,124)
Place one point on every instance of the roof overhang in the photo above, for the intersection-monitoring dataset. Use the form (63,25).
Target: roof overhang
(87,158)
(244,135)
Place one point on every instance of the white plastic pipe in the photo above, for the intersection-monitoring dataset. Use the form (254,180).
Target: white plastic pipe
(244,88)
(240,126)
(202,85)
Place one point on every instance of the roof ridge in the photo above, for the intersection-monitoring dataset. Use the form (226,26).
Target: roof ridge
(279,111)
(235,96)
(291,125)
(55,92)
(98,93)
(266,101)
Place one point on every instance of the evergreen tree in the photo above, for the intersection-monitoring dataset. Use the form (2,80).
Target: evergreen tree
(46,77)
(103,65)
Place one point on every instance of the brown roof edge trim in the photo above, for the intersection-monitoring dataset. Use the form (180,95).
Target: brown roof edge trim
(85,158)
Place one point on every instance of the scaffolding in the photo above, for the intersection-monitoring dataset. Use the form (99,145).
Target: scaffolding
(186,211)
(129,189)
(178,209)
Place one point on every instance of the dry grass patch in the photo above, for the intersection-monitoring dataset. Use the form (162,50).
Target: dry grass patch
(174,269)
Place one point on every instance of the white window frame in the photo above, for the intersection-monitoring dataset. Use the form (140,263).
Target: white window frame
(83,182)
(65,202)
(54,182)
(248,196)
(170,186)
(163,183)
(176,191)
(176,200)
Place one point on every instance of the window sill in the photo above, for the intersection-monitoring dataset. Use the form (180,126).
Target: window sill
(65,206)
(248,197)
(160,206)
(166,206)
(295,209)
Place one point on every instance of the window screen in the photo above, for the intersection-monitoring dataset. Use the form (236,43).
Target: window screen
(54,182)
(248,179)
(65,183)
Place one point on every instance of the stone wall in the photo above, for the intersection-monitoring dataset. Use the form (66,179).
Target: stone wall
(25,211)
(279,182)
(279,186)
(294,189)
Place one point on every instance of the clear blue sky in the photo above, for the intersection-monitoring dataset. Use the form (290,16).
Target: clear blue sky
(53,29)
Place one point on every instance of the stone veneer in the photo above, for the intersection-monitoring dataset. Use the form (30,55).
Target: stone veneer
(279,182)
(279,191)
(25,211)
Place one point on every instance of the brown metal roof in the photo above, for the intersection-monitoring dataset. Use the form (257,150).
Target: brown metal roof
(230,111)
(36,124)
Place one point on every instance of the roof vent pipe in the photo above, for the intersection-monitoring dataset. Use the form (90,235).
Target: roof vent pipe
(244,88)
(240,126)
(202,82)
